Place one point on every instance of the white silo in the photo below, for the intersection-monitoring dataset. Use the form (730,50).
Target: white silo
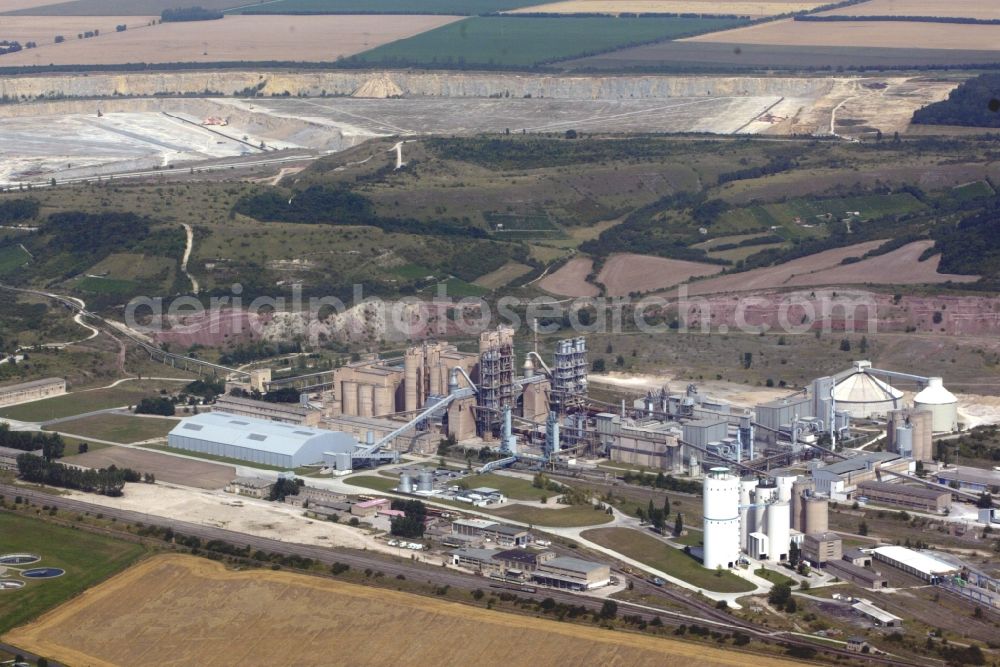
(863,395)
(778,530)
(425,482)
(941,403)
(722,519)
(765,493)
(746,517)
(405,483)
(784,483)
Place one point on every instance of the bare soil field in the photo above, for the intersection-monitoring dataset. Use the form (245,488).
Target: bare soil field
(883,34)
(187,610)
(571,279)
(975,9)
(899,267)
(247,38)
(100,7)
(626,273)
(777,276)
(166,468)
(43,31)
(14,5)
(505,275)
(705,7)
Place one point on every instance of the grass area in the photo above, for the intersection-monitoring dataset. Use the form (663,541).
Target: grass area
(412,271)
(125,429)
(692,539)
(76,403)
(384,484)
(567,517)
(73,445)
(12,258)
(512,487)
(456,287)
(455,7)
(505,275)
(971,191)
(508,41)
(107,285)
(774,577)
(87,559)
(674,562)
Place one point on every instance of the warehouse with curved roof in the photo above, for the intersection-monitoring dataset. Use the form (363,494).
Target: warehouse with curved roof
(257,440)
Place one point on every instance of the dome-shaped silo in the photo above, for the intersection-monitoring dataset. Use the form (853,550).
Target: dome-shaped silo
(941,403)
(722,519)
(863,395)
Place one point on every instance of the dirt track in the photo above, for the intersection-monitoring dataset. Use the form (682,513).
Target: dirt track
(183,610)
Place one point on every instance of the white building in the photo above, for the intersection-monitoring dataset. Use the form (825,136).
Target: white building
(257,440)
(942,404)
(722,519)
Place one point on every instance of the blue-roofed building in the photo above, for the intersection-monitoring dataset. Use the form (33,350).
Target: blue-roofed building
(257,440)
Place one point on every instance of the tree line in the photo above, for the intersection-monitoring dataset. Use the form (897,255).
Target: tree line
(181,14)
(51,444)
(907,19)
(105,481)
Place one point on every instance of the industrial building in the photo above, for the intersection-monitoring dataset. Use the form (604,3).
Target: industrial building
(900,495)
(484,531)
(285,413)
(821,548)
(257,440)
(413,441)
(838,480)
(864,396)
(541,567)
(856,574)
(876,615)
(965,478)
(917,563)
(572,573)
(252,487)
(35,390)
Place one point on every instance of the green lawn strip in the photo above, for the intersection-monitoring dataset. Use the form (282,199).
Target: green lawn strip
(86,558)
(654,553)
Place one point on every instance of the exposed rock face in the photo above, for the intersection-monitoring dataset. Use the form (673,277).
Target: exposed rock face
(379,87)
(435,84)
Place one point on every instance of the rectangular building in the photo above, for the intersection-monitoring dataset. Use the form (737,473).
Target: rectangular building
(819,548)
(285,413)
(901,495)
(477,560)
(254,487)
(35,390)
(918,564)
(856,574)
(976,480)
(369,508)
(506,536)
(839,479)
(310,495)
(572,573)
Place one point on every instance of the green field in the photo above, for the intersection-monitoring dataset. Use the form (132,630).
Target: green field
(674,562)
(107,285)
(80,402)
(567,517)
(455,7)
(412,271)
(508,41)
(118,428)
(971,191)
(457,287)
(512,487)
(11,258)
(384,484)
(73,445)
(88,559)
(814,211)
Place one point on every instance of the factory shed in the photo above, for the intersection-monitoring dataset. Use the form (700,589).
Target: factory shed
(878,616)
(257,440)
(572,573)
(916,563)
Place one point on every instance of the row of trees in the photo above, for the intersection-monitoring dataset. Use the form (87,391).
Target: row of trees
(105,481)
(190,14)
(159,405)
(661,481)
(51,444)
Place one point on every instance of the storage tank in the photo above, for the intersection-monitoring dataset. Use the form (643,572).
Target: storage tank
(405,483)
(426,481)
(383,401)
(778,530)
(817,512)
(785,483)
(764,494)
(799,488)
(903,440)
(722,519)
(366,401)
(864,396)
(411,373)
(349,398)
(941,403)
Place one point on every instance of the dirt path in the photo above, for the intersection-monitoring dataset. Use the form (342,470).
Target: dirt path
(187,254)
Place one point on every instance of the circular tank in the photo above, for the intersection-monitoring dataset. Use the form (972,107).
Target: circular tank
(746,518)
(785,483)
(349,398)
(778,531)
(800,487)
(941,403)
(405,483)
(816,516)
(426,480)
(366,401)
(722,519)
(864,396)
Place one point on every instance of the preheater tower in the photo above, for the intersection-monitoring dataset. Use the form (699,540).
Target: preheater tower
(722,519)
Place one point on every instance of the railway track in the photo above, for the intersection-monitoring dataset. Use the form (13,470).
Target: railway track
(700,612)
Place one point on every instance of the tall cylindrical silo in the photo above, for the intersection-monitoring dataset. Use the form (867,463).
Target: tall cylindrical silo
(383,401)
(405,483)
(800,487)
(721,519)
(817,515)
(426,480)
(778,530)
(349,397)
(411,373)
(942,404)
(763,494)
(366,401)
(746,517)
(784,484)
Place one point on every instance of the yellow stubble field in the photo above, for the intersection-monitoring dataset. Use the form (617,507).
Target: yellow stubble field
(737,7)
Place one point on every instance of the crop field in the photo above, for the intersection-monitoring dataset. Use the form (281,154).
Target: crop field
(506,41)
(79,402)
(234,38)
(87,559)
(503,276)
(814,212)
(100,7)
(953,8)
(570,279)
(125,429)
(99,285)
(12,258)
(656,554)
(43,30)
(704,7)
(170,469)
(626,273)
(453,7)
(197,612)
(894,35)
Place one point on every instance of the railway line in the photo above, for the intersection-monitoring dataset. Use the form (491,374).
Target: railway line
(699,612)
